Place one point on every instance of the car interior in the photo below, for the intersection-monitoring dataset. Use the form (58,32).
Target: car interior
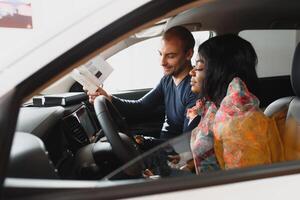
(81,141)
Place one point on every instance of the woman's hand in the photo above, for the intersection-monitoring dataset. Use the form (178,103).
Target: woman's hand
(174,159)
(189,166)
(183,161)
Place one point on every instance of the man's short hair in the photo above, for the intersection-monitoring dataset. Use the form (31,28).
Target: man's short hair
(183,34)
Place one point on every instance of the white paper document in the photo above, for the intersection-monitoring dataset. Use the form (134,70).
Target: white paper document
(92,74)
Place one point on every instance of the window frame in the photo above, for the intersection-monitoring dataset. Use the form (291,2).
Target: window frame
(133,188)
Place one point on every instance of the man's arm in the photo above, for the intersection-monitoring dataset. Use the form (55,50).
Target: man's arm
(147,103)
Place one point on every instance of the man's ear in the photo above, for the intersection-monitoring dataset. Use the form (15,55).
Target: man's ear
(189,54)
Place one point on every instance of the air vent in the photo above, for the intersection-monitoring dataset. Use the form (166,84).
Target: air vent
(76,130)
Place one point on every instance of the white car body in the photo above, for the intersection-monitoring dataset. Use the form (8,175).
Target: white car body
(52,36)
(58,26)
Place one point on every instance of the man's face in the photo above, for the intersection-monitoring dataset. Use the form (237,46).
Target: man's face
(173,57)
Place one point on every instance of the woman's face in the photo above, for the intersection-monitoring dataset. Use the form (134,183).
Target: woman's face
(198,75)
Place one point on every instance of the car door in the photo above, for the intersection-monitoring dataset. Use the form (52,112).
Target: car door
(17,91)
(9,106)
(145,124)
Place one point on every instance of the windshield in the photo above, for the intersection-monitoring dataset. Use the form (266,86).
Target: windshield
(54,27)
(43,22)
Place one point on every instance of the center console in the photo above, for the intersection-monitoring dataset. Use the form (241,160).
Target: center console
(81,128)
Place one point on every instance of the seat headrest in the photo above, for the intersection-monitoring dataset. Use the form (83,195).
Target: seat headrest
(295,76)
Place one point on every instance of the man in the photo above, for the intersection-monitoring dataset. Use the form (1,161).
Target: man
(173,90)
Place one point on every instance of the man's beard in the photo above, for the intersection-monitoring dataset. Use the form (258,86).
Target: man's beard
(179,70)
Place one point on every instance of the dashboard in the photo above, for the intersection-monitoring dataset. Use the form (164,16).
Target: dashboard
(63,132)
(69,142)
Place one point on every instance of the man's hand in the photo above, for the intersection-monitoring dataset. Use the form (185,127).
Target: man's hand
(139,139)
(99,91)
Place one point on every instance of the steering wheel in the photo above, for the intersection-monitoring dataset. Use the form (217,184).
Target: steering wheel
(112,122)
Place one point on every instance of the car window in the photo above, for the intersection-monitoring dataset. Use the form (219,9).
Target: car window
(274,50)
(169,159)
(138,66)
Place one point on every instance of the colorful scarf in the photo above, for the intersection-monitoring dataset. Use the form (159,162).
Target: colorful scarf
(237,134)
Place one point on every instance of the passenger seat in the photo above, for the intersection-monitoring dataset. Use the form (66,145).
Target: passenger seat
(292,102)
(289,122)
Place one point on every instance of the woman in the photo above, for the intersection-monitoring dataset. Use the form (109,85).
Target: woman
(225,78)
(225,57)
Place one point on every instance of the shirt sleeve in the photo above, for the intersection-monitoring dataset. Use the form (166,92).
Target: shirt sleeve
(145,104)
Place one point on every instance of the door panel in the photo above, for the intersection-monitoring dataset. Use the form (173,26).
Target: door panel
(147,123)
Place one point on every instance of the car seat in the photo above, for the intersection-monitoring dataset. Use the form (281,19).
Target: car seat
(291,103)
(288,108)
